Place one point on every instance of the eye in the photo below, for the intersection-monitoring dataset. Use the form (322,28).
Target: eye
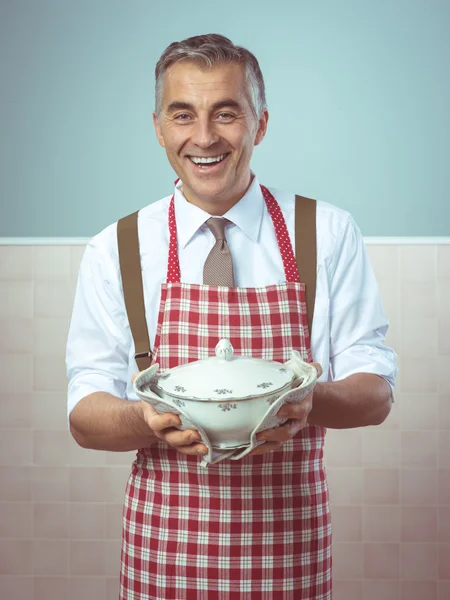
(224,116)
(182,117)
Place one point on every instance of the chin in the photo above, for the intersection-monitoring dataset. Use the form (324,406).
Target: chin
(212,195)
(209,190)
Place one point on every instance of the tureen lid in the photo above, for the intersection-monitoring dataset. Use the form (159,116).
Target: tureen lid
(225,376)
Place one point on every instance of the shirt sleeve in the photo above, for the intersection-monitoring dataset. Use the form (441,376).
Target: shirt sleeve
(358,325)
(99,339)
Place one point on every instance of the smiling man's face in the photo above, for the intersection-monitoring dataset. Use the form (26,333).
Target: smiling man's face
(208,130)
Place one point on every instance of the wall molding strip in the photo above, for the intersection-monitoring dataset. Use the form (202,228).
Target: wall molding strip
(407,241)
(370,241)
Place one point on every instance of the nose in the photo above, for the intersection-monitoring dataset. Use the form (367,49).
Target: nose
(204,134)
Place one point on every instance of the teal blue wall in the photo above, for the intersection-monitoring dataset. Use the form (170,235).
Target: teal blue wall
(358,93)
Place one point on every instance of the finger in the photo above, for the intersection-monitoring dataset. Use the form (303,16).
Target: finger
(264,448)
(175,437)
(158,422)
(165,426)
(295,411)
(284,432)
(276,434)
(193,449)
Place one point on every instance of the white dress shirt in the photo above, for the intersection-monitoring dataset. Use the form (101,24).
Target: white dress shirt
(349,324)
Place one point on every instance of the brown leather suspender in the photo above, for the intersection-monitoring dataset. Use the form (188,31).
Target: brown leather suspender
(130,268)
(306,250)
(133,292)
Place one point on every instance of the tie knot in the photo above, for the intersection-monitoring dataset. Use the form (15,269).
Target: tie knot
(217,227)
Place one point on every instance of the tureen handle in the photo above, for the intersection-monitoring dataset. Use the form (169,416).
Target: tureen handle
(224,349)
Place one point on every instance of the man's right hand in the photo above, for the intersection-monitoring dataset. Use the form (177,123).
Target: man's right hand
(165,427)
(101,421)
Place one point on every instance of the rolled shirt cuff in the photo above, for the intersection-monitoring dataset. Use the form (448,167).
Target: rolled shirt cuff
(376,359)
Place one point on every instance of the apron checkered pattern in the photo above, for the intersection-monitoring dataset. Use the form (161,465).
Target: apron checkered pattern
(254,529)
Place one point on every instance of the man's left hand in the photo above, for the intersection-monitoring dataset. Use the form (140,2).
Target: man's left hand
(297,415)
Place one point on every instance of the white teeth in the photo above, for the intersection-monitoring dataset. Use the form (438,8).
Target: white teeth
(204,161)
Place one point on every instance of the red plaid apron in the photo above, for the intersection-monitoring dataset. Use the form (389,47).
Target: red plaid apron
(258,528)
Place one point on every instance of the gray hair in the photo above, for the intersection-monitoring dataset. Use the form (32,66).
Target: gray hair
(210,50)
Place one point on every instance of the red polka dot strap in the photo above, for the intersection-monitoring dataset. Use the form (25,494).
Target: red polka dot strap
(173,264)
(284,243)
(281,232)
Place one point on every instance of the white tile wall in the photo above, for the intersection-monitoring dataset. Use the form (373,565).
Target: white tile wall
(60,505)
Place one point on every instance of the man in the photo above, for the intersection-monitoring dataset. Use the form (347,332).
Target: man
(258,527)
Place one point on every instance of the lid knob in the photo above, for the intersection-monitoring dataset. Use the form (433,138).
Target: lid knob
(224,350)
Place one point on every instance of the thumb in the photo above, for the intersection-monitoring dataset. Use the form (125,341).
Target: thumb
(318,367)
(148,412)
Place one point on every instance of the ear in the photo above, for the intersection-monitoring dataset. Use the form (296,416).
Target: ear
(262,127)
(158,131)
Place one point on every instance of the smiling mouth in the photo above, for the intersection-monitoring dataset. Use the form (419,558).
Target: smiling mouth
(206,162)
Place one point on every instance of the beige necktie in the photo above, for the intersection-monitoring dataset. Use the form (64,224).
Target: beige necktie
(218,269)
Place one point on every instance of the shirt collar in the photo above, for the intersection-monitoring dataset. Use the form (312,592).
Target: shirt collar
(246,214)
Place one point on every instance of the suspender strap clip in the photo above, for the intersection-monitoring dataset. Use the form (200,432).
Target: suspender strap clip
(143,355)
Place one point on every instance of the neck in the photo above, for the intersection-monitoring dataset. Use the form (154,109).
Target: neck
(217,206)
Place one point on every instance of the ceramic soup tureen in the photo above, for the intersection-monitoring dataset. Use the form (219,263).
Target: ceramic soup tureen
(227,395)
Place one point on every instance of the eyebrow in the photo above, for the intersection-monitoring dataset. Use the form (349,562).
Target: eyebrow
(227,103)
